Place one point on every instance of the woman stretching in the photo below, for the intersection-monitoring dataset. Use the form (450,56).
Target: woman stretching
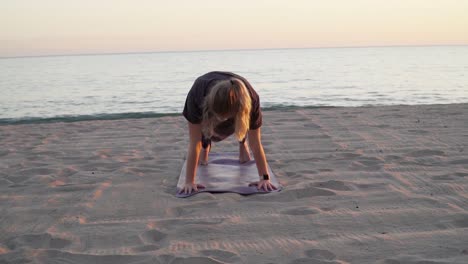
(218,105)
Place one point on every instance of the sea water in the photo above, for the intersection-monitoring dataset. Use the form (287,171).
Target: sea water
(109,86)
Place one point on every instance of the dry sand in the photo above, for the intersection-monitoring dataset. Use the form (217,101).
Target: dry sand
(362,185)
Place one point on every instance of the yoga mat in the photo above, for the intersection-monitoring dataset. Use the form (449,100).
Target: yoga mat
(224,173)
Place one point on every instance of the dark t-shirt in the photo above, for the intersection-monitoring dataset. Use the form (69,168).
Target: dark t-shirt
(193,109)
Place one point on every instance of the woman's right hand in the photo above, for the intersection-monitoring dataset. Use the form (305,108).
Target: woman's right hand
(189,187)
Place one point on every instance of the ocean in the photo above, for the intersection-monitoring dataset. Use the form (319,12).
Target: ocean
(113,86)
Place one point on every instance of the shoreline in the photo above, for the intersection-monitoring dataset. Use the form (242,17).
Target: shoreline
(141,115)
(383,184)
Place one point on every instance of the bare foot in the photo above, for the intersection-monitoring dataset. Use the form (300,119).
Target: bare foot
(244,153)
(204,155)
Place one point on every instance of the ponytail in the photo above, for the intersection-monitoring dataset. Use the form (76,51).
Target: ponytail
(245,106)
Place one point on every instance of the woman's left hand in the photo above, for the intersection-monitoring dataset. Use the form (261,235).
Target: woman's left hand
(263,184)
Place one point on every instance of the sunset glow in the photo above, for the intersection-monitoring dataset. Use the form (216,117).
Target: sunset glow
(108,26)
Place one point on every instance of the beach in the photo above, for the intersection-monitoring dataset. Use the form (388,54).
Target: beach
(376,184)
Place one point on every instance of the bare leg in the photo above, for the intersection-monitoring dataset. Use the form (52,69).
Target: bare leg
(204,155)
(244,152)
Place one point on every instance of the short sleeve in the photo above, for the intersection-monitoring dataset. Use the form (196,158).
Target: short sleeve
(193,104)
(255,112)
(255,115)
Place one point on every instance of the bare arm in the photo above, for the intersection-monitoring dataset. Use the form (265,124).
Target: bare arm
(260,159)
(192,159)
(256,146)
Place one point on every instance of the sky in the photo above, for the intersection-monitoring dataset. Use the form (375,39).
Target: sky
(53,27)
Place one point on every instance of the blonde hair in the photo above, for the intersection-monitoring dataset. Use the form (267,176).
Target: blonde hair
(227,97)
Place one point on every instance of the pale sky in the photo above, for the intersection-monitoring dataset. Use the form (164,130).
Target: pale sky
(49,27)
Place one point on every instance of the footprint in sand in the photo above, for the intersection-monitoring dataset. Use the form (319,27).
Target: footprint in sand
(418,131)
(312,125)
(310,192)
(382,126)
(328,209)
(455,113)
(462,222)
(152,240)
(347,155)
(317,256)
(409,260)
(194,225)
(4,152)
(152,236)
(349,116)
(145,248)
(367,163)
(391,158)
(460,174)
(390,261)
(372,186)
(333,185)
(195,260)
(425,153)
(446,177)
(189,209)
(294,194)
(43,241)
(316,137)
(449,177)
(221,255)
(37,171)
(57,256)
(306,172)
(300,211)
(459,162)
(391,115)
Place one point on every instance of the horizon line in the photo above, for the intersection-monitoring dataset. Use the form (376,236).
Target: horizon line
(227,50)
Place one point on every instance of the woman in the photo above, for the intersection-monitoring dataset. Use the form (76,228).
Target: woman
(218,105)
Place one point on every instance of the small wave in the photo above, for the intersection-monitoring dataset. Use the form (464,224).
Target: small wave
(138,115)
(290,107)
(78,118)
(132,115)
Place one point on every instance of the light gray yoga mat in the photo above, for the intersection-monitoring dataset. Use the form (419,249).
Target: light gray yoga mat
(224,173)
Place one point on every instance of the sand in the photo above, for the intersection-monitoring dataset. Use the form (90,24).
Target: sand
(361,185)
